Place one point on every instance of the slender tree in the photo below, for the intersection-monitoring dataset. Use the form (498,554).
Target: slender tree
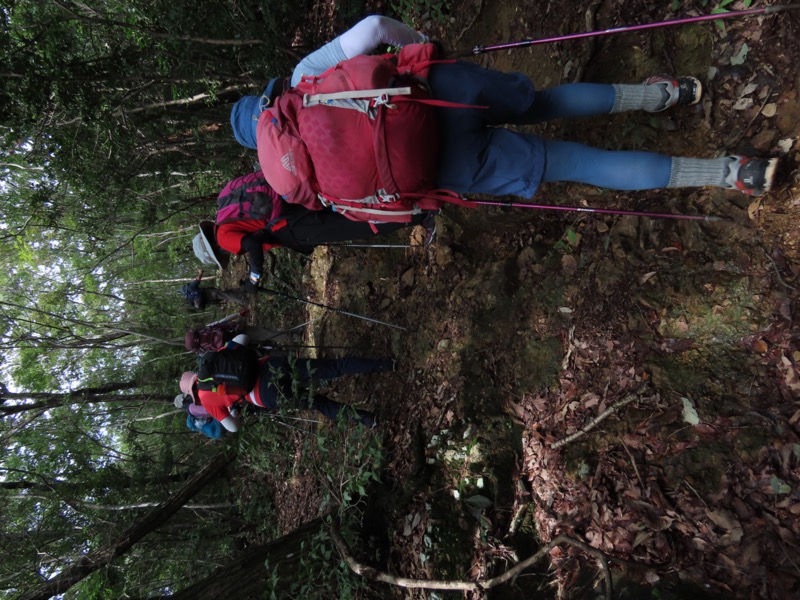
(101,557)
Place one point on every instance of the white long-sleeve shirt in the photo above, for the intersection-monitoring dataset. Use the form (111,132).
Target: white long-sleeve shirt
(363,37)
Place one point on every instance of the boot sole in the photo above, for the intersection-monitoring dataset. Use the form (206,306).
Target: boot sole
(769,173)
(698,90)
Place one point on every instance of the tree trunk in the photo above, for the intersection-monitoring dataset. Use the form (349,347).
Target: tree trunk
(247,578)
(101,558)
(46,400)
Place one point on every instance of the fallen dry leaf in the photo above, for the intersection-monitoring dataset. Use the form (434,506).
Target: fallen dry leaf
(569,264)
(647,277)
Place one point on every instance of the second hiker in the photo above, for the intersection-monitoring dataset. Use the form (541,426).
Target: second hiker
(231,376)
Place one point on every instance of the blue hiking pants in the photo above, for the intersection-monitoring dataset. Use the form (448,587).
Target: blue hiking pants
(478,155)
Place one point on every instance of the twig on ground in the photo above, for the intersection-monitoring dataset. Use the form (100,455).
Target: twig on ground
(788,557)
(591,46)
(753,120)
(570,346)
(778,273)
(696,493)
(633,462)
(596,421)
(468,586)
(471,23)
(519,513)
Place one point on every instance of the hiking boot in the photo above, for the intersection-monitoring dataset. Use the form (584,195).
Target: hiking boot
(752,176)
(429,223)
(677,91)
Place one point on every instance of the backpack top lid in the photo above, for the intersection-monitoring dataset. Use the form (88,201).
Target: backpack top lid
(236,368)
(205,246)
(246,110)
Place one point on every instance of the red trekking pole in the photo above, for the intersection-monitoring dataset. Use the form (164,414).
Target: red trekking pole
(476,50)
(601,211)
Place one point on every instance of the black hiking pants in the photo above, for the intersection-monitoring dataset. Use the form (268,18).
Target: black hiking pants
(281,380)
(306,228)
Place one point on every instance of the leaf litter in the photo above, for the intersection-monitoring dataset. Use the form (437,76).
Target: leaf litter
(551,320)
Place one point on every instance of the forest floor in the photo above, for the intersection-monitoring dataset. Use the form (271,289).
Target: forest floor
(523,326)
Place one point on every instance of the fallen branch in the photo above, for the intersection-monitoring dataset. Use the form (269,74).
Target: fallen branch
(374,574)
(778,273)
(633,462)
(596,421)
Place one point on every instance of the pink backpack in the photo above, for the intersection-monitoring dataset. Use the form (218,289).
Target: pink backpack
(211,337)
(361,138)
(247,197)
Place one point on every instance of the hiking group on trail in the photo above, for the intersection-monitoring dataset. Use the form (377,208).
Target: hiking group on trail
(353,145)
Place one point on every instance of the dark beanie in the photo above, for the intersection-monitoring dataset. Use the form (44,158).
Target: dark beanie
(246,111)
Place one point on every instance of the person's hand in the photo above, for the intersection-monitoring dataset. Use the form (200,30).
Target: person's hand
(441,51)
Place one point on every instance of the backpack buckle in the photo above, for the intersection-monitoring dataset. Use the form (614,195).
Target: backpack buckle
(384,197)
(382,100)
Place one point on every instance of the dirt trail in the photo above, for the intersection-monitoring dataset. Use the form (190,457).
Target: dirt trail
(525,326)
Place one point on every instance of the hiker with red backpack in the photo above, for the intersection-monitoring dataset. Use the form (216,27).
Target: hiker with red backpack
(253,219)
(293,121)
(235,375)
(215,335)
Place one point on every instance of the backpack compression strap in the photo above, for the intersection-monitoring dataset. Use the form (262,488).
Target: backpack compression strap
(380,96)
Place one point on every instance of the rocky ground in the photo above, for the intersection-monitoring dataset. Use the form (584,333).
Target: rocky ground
(523,327)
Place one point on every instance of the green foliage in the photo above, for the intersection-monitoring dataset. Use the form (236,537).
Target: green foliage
(322,574)
(422,11)
(338,577)
(343,456)
(115,143)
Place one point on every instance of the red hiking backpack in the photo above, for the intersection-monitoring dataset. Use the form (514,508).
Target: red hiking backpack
(247,197)
(361,138)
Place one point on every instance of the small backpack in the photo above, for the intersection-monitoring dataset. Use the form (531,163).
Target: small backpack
(361,138)
(247,197)
(237,368)
(211,337)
